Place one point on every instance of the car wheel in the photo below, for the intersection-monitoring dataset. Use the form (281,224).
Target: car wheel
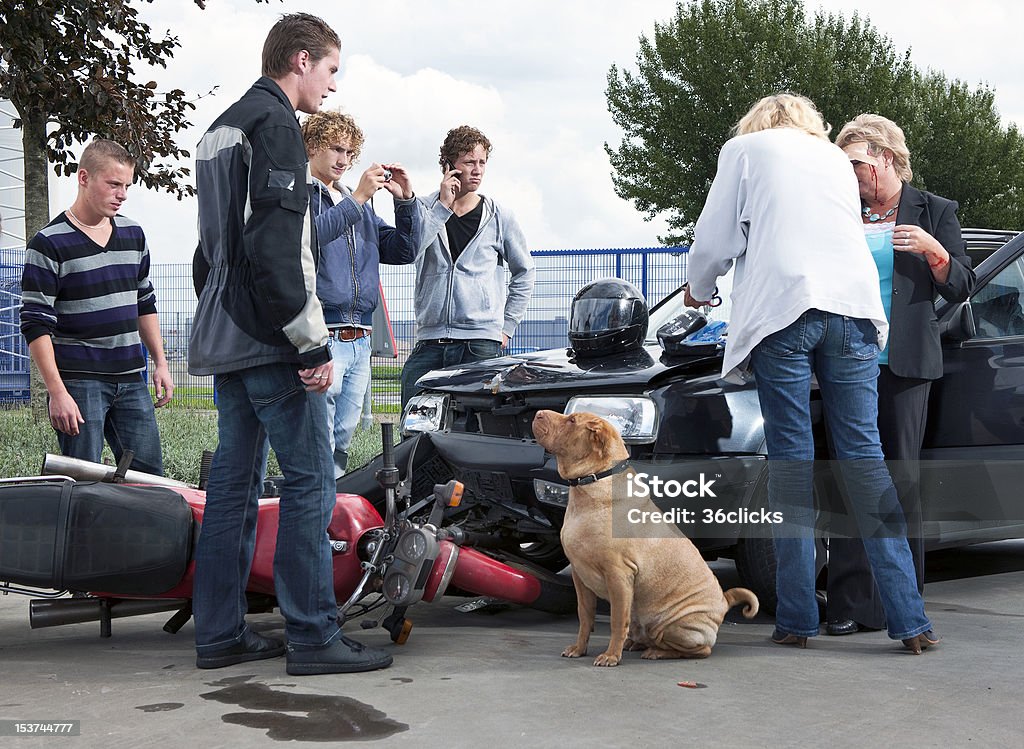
(756,564)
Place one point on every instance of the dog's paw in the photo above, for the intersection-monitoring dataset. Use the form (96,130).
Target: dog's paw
(574,651)
(607,659)
(657,654)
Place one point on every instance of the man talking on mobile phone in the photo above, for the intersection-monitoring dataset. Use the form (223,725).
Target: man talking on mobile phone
(465,309)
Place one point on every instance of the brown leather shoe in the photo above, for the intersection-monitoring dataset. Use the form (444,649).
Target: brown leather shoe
(922,642)
(784,638)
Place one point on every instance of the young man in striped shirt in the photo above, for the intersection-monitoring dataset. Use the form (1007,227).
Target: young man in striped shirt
(87,307)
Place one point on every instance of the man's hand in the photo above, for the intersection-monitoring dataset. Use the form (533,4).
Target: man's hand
(450,186)
(163,385)
(504,341)
(399,185)
(318,379)
(370,181)
(64,414)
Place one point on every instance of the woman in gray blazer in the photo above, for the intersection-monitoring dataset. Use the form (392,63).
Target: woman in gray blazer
(916,241)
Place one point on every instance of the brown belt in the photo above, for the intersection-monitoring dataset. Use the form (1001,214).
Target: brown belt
(348,334)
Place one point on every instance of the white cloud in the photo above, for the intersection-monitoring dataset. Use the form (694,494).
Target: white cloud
(530,73)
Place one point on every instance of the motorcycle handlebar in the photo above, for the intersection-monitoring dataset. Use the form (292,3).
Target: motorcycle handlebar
(387,437)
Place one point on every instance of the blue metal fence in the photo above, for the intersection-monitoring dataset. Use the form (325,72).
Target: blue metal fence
(656,271)
(14,361)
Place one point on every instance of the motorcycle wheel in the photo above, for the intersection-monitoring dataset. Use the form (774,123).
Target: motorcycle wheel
(559,593)
(546,554)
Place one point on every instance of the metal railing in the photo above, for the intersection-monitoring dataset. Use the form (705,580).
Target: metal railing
(656,271)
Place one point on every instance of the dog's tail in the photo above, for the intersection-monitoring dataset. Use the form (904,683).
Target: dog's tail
(742,595)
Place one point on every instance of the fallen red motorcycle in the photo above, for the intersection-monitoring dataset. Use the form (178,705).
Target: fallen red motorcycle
(122,543)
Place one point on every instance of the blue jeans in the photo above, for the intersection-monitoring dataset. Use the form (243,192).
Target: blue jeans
(429,355)
(123,413)
(346,395)
(842,353)
(258,408)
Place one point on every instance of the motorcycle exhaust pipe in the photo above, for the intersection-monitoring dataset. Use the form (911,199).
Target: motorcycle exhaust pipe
(84,470)
(43,613)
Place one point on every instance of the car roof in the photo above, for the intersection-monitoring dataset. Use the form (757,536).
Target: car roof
(981,243)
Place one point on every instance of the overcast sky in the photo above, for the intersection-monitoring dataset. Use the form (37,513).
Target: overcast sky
(530,73)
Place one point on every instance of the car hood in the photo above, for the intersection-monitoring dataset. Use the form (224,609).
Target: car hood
(558,369)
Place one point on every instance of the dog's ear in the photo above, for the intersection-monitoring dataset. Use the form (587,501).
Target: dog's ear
(604,438)
(598,429)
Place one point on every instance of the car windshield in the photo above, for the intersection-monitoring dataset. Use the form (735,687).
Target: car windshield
(671,307)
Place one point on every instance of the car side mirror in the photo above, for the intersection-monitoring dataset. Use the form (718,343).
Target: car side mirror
(959,325)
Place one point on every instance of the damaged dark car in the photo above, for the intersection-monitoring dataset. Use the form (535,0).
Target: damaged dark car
(703,438)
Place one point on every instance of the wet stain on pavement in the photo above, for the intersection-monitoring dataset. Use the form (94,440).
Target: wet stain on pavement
(402,679)
(160,707)
(955,608)
(287,716)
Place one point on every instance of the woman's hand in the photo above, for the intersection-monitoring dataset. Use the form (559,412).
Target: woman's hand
(689,301)
(909,238)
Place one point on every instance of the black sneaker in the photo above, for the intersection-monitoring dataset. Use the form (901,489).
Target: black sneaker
(343,656)
(252,647)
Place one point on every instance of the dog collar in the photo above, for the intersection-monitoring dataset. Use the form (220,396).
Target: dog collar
(590,478)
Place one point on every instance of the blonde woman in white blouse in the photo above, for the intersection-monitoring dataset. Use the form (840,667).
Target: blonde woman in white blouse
(784,208)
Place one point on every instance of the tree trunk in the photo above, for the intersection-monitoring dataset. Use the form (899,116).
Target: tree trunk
(37,215)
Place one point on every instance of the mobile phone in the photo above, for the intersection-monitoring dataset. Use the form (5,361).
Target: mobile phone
(448,166)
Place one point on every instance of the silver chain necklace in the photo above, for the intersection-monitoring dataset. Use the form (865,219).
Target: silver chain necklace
(83,224)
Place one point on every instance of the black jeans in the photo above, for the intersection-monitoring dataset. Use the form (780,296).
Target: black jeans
(902,414)
(429,355)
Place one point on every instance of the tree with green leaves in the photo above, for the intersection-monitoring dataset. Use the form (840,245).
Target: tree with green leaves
(704,68)
(68,67)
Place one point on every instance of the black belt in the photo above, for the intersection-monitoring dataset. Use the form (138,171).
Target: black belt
(348,333)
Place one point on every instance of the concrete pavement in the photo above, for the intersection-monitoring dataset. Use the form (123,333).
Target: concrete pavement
(496,678)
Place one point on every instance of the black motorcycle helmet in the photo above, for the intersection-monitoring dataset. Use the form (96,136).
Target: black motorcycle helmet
(608,316)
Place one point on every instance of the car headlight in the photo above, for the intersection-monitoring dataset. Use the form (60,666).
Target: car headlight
(635,417)
(424,413)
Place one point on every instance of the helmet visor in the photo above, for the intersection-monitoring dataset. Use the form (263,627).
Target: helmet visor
(601,315)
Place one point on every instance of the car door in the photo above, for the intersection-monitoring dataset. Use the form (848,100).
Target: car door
(973,458)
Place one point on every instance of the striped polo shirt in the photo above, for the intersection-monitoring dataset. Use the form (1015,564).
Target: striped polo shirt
(88,298)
